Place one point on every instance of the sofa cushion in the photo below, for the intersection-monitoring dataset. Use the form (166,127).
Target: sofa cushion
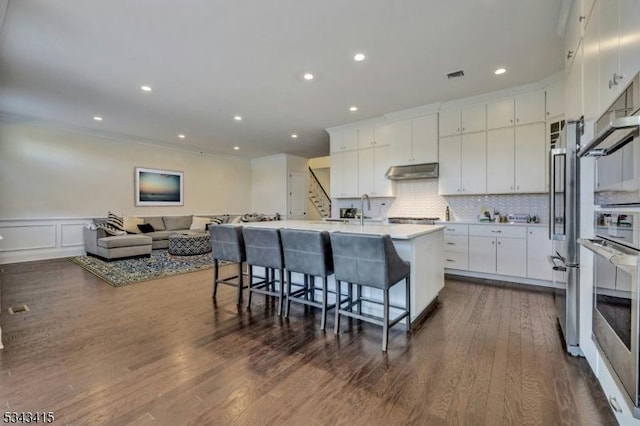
(109,229)
(115,221)
(173,223)
(156,222)
(160,235)
(124,241)
(130,224)
(199,223)
(145,228)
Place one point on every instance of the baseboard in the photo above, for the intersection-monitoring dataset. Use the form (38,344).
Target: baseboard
(498,280)
(31,255)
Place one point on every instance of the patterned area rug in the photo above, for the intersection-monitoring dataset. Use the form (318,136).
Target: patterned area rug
(128,271)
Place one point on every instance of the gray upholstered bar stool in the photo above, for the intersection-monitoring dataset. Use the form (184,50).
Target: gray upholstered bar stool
(308,253)
(372,261)
(264,248)
(227,243)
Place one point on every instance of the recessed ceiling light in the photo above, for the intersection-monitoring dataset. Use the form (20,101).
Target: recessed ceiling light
(353,108)
(236,148)
(359,57)
(294,135)
(145,88)
(500,71)
(181,136)
(237,118)
(97,118)
(308,76)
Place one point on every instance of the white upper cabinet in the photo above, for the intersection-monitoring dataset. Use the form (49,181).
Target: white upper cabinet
(472,118)
(530,108)
(343,140)
(590,59)
(424,139)
(473,163)
(383,135)
(573,88)
(610,80)
(573,31)
(500,160)
(450,167)
(555,100)
(366,137)
(344,174)
(530,158)
(373,163)
(500,113)
(629,40)
(450,122)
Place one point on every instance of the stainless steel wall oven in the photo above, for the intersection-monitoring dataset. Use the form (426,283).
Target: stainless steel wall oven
(616,323)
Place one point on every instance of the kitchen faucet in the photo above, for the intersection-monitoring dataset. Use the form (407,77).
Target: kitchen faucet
(362,207)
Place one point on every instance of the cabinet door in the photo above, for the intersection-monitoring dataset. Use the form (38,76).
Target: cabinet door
(381,135)
(449,120)
(425,139)
(400,139)
(482,254)
(474,118)
(473,163)
(530,158)
(350,140)
(555,99)
(449,163)
(350,173)
(500,113)
(538,248)
(500,160)
(365,137)
(573,87)
(336,141)
(572,32)
(382,187)
(512,257)
(456,252)
(591,70)
(336,174)
(629,40)
(609,50)
(529,108)
(366,171)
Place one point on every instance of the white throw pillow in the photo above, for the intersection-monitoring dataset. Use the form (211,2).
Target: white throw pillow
(199,223)
(131,224)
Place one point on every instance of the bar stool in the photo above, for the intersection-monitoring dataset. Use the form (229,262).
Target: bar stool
(264,248)
(227,243)
(308,253)
(372,261)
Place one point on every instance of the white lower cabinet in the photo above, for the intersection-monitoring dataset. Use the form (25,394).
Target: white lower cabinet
(497,249)
(538,248)
(614,394)
(456,246)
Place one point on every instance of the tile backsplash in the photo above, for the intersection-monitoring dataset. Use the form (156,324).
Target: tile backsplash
(419,198)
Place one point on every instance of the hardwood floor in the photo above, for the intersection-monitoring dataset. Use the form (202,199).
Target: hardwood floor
(161,352)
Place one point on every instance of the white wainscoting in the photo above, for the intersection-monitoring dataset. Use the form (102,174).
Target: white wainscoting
(37,239)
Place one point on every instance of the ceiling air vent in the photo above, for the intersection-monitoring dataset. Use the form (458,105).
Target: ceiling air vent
(455,74)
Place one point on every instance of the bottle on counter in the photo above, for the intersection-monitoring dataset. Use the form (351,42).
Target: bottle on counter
(447,214)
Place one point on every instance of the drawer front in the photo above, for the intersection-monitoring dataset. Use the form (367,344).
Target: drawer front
(456,244)
(456,260)
(456,229)
(498,231)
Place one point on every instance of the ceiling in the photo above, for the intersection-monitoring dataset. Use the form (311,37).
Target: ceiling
(63,62)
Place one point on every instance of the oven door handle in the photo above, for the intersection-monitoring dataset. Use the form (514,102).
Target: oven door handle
(617,124)
(554,265)
(615,257)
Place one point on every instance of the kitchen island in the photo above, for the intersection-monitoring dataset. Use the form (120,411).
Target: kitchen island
(422,245)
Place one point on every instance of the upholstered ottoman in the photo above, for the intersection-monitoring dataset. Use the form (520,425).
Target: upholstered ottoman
(189,244)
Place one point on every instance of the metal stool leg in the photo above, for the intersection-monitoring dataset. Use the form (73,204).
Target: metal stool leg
(408,291)
(336,327)
(250,273)
(286,311)
(323,322)
(281,291)
(215,278)
(385,326)
(239,283)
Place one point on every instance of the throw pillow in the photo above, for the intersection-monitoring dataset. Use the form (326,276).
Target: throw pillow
(130,224)
(199,223)
(115,221)
(216,220)
(146,228)
(109,229)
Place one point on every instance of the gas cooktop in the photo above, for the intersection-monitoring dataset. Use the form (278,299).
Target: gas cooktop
(414,220)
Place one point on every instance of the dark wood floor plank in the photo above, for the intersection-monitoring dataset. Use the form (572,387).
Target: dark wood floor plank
(162,352)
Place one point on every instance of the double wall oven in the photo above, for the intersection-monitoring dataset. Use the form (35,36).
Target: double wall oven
(616,246)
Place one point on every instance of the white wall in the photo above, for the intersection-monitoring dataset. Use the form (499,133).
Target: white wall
(270,185)
(53,180)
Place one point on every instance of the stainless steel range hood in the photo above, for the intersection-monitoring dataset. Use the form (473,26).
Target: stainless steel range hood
(415,171)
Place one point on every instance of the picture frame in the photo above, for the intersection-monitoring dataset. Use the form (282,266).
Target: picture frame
(155,187)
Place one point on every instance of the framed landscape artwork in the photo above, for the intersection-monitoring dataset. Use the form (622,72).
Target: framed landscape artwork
(159,187)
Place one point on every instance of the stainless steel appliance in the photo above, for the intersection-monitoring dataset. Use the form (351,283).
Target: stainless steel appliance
(616,319)
(414,220)
(564,220)
(616,147)
(348,213)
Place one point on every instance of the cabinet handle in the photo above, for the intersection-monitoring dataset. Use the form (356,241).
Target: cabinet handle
(458,129)
(517,120)
(497,232)
(451,229)
(463,129)
(518,187)
(614,404)
(493,242)
(569,54)
(582,18)
(450,260)
(616,78)
(510,121)
(451,244)
(498,242)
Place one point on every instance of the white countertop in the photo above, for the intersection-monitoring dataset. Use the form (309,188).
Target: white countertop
(396,231)
(464,222)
